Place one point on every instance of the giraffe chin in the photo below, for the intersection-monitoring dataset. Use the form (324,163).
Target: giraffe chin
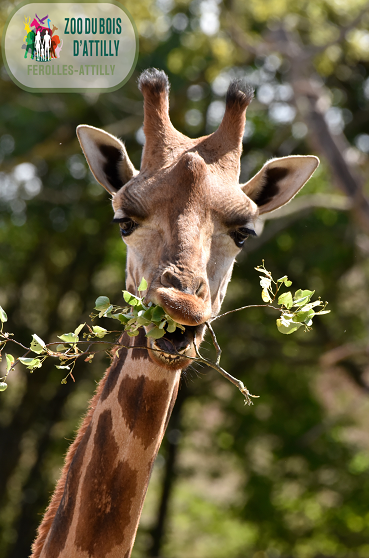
(172,350)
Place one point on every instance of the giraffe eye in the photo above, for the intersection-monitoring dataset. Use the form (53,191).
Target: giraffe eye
(241,235)
(127,225)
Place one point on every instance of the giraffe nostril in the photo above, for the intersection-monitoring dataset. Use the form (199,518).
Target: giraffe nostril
(201,289)
(169,279)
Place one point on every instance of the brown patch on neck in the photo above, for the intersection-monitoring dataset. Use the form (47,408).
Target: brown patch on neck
(116,367)
(142,402)
(140,341)
(64,516)
(107,493)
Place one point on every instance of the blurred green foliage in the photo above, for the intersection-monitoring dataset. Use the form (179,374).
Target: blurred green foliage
(290,475)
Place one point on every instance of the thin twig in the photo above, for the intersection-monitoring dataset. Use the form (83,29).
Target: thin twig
(215,343)
(244,308)
(243,389)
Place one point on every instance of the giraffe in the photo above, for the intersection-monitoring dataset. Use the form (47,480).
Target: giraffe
(184,218)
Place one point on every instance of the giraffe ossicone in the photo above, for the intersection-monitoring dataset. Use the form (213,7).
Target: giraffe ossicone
(184,217)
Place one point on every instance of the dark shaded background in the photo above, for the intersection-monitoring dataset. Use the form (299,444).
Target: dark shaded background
(287,477)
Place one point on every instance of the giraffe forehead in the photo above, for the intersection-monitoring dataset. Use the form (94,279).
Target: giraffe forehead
(190,187)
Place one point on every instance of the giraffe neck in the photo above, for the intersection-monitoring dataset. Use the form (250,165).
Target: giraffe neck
(98,501)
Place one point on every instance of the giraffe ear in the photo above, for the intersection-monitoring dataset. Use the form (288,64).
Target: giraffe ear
(279,181)
(107,158)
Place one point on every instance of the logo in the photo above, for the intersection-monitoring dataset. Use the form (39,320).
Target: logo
(42,43)
(70,47)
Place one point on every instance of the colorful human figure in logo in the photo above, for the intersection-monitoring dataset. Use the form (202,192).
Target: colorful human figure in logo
(47,43)
(30,44)
(38,45)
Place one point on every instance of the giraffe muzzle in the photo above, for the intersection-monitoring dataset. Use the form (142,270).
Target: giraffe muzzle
(186,309)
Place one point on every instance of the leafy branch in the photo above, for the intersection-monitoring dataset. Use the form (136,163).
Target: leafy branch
(296,310)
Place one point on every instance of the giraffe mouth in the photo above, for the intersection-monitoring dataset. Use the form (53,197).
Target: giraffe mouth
(174,348)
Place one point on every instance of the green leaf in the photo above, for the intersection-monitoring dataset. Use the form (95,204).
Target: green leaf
(122,318)
(142,321)
(155,333)
(300,293)
(127,296)
(303,316)
(9,362)
(99,331)
(3,317)
(107,312)
(157,314)
(31,363)
(61,348)
(113,316)
(265,296)
(301,301)
(102,303)
(287,329)
(27,361)
(37,345)
(148,314)
(132,333)
(171,327)
(63,367)
(285,280)
(142,285)
(3,385)
(69,337)
(301,297)
(131,299)
(286,299)
(79,328)
(322,312)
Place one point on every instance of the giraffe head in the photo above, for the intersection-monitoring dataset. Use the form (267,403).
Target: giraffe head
(184,216)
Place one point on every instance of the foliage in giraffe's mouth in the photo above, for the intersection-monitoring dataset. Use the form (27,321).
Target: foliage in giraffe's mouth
(176,344)
(138,313)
